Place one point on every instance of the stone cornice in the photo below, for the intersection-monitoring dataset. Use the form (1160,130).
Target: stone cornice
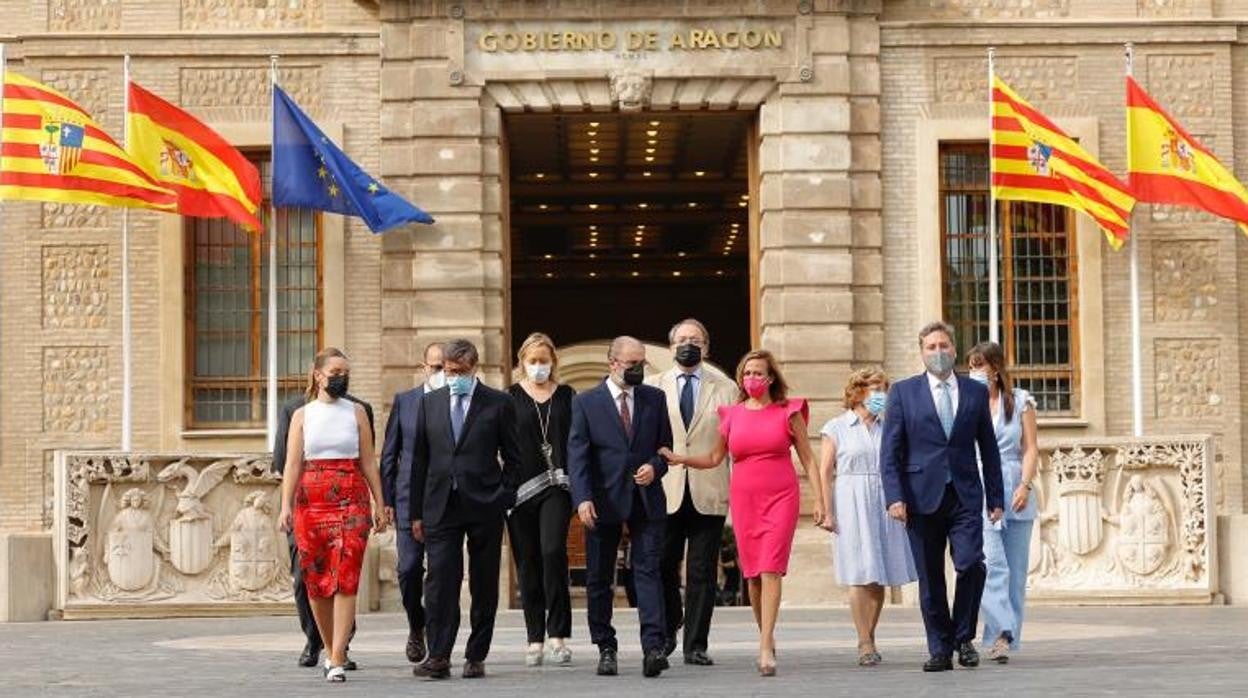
(195,43)
(1061,32)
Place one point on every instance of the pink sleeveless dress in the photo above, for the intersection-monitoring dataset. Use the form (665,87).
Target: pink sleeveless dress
(763,495)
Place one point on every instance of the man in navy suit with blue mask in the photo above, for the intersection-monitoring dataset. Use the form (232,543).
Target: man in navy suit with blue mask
(934,423)
(614,467)
(396,478)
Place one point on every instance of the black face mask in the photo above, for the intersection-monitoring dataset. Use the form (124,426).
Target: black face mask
(336,386)
(635,375)
(688,355)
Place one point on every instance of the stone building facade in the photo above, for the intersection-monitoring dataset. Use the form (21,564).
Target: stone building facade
(852,103)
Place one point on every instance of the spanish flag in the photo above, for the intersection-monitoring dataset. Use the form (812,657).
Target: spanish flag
(211,178)
(52,150)
(1166,165)
(1034,160)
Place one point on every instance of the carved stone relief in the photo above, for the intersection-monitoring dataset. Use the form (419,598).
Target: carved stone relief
(84,15)
(1124,516)
(995,9)
(1182,85)
(1188,373)
(247,86)
(195,531)
(1036,78)
(1172,8)
(57,216)
(75,389)
(1185,279)
(75,286)
(630,89)
(252,14)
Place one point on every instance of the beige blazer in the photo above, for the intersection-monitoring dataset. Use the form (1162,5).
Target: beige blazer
(708,488)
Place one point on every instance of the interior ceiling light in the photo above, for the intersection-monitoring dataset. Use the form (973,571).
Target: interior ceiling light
(593,207)
(540,175)
(593,256)
(593,274)
(647,173)
(636,273)
(593,151)
(649,158)
(549,256)
(543,206)
(745,197)
(636,255)
(593,174)
(680,254)
(593,124)
(675,273)
(652,142)
(719,272)
(650,151)
(593,159)
(654,123)
(591,134)
(652,134)
(593,227)
(693,204)
(699,173)
(550,275)
(643,205)
(743,204)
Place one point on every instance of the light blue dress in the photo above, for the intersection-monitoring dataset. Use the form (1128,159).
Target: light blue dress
(1007,545)
(870,547)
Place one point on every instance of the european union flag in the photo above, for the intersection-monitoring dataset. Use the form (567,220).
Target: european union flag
(309,171)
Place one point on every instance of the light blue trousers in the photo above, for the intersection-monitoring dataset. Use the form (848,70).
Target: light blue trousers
(1005,553)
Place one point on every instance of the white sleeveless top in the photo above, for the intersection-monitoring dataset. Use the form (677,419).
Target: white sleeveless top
(330,430)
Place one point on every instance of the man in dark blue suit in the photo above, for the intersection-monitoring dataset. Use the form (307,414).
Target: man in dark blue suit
(614,467)
(396,478)
(934,422)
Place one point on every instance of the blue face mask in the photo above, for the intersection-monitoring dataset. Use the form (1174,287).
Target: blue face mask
(459,385)
(876,401)
(978,376)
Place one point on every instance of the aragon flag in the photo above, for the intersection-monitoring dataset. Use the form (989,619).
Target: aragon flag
(1166,165)
(52,150)
(211,178)
(1034,160)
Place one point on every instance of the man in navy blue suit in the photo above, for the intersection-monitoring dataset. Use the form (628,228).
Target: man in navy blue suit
(396,478)
(928,464)
(614,467)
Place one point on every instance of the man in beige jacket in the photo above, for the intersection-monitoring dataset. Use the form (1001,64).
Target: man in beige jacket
(697,500)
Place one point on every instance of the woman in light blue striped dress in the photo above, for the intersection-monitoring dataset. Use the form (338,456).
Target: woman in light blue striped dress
(870,551)
(1007,543)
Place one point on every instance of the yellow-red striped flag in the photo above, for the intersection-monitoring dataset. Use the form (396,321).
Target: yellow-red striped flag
(1166,165)
(52,150)
(211,178)
(1034,160)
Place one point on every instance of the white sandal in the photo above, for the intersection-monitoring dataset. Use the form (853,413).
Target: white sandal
(336,674)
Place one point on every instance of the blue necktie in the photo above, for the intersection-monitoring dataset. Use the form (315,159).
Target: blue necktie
(457,416)
(944,410)
(686,400)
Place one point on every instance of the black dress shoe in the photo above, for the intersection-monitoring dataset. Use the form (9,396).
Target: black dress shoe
(311,656)
(433,669)
(654,664)
(967,656)
(415,647)
(474,670)
(669,646)
(608,665)
(350,665)
(698,658)
(938,664)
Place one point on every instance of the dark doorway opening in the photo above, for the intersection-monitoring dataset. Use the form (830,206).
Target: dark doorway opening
(626,223)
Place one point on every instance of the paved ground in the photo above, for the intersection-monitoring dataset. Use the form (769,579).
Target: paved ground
(1068,652)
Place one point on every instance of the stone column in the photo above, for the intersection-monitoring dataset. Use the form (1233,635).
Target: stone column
(440,147)
(820,198)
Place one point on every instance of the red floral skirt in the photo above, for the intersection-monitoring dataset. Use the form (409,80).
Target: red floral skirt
(332,522)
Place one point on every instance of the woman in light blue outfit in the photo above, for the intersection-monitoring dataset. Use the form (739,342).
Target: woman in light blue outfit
(1008,542)
(871,550)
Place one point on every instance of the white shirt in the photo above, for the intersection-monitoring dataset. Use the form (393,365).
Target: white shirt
(330,430)
(682,377)
(934,384)
(615,396)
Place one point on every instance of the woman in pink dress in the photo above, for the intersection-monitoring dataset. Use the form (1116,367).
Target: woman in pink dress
(763,497)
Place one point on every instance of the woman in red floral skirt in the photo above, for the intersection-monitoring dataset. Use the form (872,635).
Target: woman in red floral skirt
(329,474)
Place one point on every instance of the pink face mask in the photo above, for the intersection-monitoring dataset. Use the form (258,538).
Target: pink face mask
(754,386)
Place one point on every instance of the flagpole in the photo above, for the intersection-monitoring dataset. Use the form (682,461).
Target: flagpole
(1137,383)
(127,392)
(271,416)
(994,312)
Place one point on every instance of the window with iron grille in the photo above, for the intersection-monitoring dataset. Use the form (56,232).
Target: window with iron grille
(227,285)
(1037,288)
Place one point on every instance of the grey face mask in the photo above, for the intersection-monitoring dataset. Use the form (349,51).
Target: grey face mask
(940,363)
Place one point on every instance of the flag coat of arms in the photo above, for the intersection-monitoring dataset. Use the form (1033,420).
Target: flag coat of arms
(52,150)
(1167,165)
(310,171)
(210,177)
(1034,160)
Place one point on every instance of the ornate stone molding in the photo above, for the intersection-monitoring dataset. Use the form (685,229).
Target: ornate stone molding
(75,389)
(253,14)
(1037,78)
(75,286)
(247,85)
(1188,373)
(1185,280)
(630,91)
(84,15)
(1125,520)
(143,535)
